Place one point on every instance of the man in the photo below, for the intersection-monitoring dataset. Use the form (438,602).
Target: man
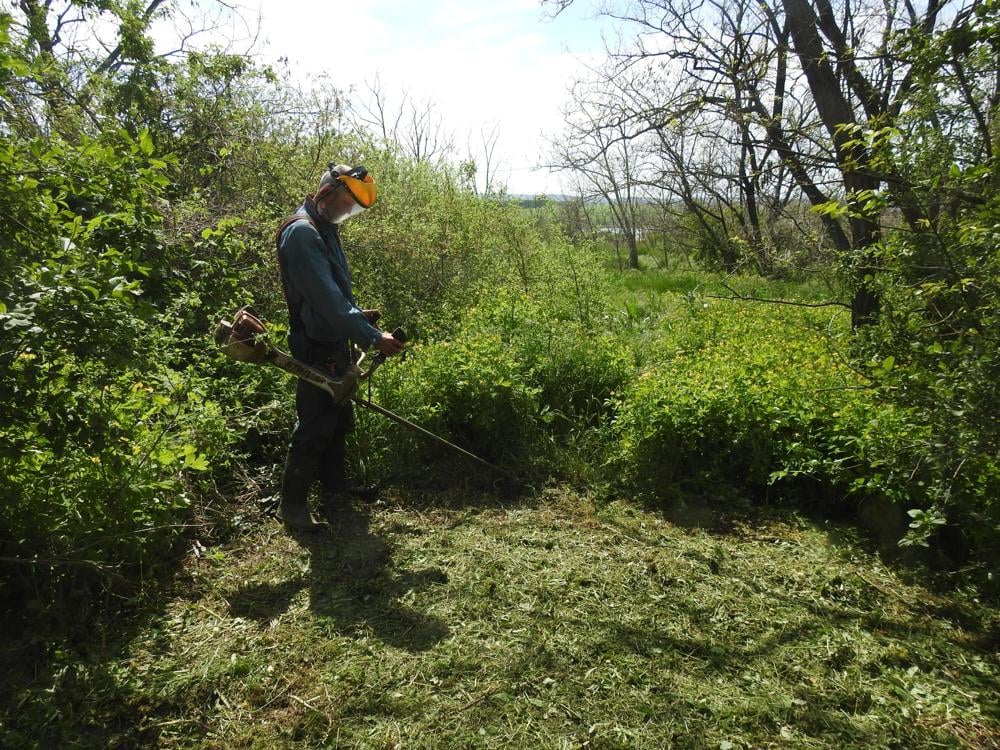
(324,321)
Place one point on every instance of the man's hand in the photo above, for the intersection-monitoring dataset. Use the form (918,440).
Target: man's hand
(372,315)
(389,345)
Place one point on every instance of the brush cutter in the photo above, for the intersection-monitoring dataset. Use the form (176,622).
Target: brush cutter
(244,340)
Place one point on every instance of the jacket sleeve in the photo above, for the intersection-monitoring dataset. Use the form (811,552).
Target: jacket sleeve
(308,271)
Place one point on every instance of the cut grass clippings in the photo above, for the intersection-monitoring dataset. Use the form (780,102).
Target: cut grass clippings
(553,625)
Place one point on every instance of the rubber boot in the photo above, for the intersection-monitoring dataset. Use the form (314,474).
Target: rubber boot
(294,494)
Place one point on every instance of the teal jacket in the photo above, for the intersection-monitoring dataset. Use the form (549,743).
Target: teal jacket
(317,281)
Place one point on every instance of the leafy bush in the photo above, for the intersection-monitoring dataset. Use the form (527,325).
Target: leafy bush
(750,396)
(427,248)
(509,386)
(735,395)
(934,357)
(98,431)
(469,390)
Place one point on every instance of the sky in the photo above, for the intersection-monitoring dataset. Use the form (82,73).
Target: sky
(481,63)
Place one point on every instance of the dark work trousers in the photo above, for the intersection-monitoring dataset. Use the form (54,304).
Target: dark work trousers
(317,450)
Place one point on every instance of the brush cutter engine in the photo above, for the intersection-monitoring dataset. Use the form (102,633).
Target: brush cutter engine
(239,339)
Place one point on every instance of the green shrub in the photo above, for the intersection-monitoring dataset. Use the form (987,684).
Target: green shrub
(102,428)
(509,386)
(471,392)
(934,359)
(576,368)
(738,395)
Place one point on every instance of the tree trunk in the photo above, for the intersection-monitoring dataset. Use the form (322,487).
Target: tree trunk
(853,159)
(633,249)
(864,234)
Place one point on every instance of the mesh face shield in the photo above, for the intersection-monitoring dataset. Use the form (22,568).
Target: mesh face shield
(361,186)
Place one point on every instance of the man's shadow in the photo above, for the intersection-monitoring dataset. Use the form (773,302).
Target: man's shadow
(353,586)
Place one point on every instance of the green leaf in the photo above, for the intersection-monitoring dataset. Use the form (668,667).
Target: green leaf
(146,143)
(196,463)
(194,460)
(166,457)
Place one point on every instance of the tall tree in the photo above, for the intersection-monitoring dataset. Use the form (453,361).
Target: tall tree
(600,150)
(414,127)
(749,61)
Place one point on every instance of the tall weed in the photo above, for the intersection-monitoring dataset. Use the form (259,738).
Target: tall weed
(511,385)
(735,393)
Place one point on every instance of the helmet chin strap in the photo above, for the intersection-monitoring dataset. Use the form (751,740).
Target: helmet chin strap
(323,209)
(323,192)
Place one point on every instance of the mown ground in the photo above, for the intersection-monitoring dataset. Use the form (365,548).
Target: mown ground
(443,623)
